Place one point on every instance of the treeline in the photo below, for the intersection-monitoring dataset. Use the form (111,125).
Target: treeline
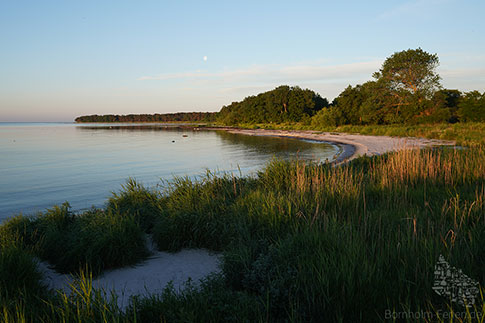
(406,90)
(166,117)
(360,105)
(283,104)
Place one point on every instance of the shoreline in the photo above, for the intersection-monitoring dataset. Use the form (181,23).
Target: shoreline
(352,145)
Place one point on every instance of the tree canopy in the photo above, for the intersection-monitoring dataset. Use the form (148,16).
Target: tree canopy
(412,70)
(406,89)
(283,104)
(167,117)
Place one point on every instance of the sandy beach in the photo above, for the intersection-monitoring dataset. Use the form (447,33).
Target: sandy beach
(352,145)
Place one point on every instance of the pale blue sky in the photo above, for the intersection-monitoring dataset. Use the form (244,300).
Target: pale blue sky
(62,59)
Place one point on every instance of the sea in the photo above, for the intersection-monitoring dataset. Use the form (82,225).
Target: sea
(46,164)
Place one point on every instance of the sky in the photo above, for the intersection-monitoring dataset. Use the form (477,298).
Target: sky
(62,59)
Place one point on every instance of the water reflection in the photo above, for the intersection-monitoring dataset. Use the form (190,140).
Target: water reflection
(253,146)
(279,147)
(46,164)
(136,127)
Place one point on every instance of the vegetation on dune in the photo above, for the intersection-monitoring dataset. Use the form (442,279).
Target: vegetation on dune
(301,242)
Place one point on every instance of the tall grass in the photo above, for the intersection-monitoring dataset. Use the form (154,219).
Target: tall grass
(302,242)
(82,303)
(318,239)
(136,201)
(99,239)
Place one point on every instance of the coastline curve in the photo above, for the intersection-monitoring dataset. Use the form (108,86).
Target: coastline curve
(352,145)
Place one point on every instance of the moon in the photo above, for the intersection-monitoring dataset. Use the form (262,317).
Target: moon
(205,58)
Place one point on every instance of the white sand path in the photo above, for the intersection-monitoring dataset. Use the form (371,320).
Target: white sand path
(147,278)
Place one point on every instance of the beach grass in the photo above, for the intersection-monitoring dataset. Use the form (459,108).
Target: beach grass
(301,241)
(98,239)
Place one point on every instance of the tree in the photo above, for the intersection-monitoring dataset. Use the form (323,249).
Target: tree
(283,104)
(410,78)
(412,70)
(347,105)
(472,107)
(442,107)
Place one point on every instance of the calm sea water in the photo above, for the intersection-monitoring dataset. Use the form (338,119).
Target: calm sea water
(43,164)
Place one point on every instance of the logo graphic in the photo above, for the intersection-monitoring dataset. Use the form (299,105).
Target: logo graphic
(453,283)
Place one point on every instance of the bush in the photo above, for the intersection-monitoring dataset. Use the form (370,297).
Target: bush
(327,117)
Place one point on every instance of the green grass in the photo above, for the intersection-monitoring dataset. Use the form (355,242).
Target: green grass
(301,242)
(97,238)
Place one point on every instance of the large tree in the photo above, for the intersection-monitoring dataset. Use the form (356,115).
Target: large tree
(412,70)
(410,78)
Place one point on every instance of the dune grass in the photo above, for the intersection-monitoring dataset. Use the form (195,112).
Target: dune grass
(97,238)
(302,242)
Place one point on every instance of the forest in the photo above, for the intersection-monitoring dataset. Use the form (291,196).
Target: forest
(167,117)
(406,90)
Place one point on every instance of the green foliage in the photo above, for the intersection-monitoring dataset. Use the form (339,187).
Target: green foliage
(282,104)
(411,70)
(446,100)
(328,117)
(404,91)
(472,107)
(167,117)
